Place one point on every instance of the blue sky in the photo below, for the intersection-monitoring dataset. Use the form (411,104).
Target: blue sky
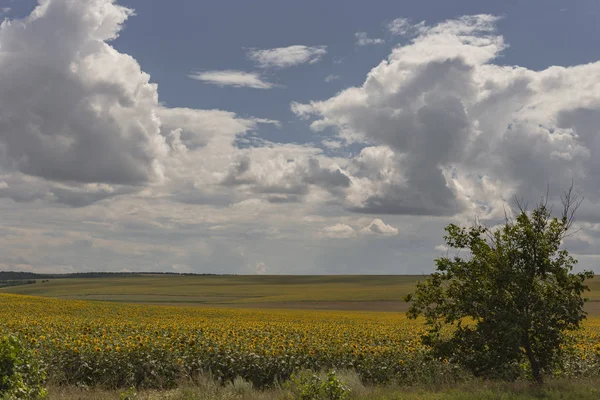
(287,137)
(170,39)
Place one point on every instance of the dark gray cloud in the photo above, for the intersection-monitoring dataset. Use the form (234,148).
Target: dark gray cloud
(287,179)
(25,189)
(326,178)
(83,198)
(284,198)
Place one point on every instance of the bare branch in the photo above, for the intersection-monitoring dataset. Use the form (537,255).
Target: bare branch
(571,203)
(489,234)
(507,219)
(520,204)
(571,233)
(544,199)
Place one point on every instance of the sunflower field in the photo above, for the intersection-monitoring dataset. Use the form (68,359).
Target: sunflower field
(115,345)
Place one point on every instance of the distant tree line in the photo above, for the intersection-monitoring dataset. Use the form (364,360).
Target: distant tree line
(20,275)
(6,283)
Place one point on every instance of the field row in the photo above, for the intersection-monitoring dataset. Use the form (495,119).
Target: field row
(118,345)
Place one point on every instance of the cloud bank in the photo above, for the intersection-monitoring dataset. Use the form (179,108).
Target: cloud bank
(96,174)
(446,130)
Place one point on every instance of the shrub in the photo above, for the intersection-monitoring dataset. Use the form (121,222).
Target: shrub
(310,386)
(21,375)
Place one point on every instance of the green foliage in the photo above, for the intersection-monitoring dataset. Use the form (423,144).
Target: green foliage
(21,376)
(140,368)
(129,394)
(310,386)
(505,309)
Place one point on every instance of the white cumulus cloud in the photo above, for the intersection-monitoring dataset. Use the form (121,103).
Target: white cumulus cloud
(72,108)
(283,57)
(362,39)
(446,130)
(260,268)
(404,27)
(232,78)
(378,227)
(338,231)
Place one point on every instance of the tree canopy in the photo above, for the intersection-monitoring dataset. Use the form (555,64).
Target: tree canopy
(510,300)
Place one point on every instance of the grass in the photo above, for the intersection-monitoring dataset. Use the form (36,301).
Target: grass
(207,389)
(347,292)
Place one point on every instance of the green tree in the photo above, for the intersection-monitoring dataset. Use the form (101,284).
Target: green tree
(510,300)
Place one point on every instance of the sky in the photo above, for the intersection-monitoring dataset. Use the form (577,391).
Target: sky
(279,137)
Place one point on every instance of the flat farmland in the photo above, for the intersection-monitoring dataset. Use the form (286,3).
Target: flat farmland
(328,292)
(217,332)
(320,292)
(117,345)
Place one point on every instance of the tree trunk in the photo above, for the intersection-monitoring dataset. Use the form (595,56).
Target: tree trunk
(535,365)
